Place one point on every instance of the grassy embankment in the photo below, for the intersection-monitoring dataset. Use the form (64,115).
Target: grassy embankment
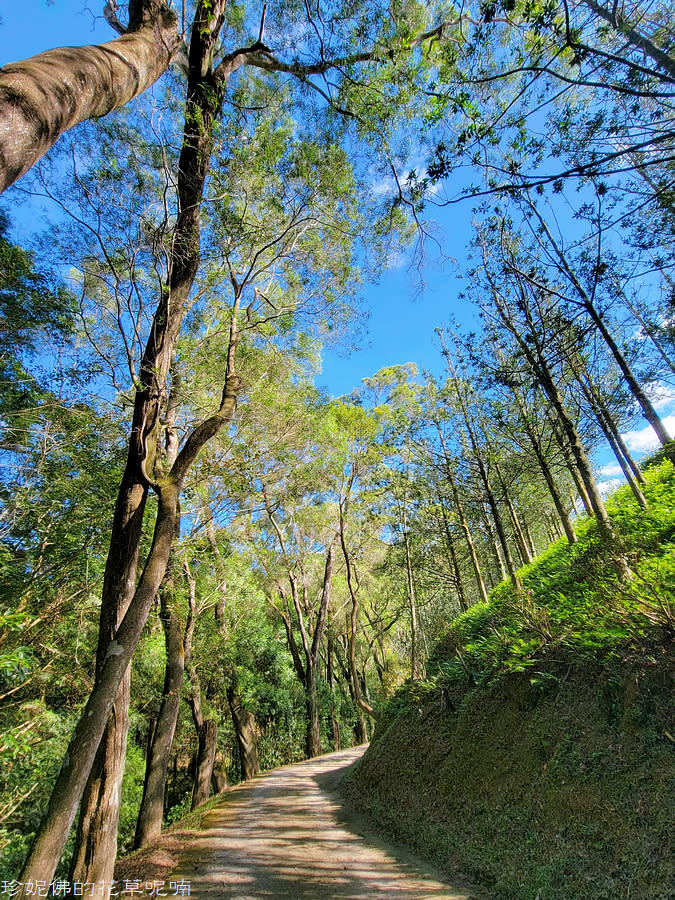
(538,758)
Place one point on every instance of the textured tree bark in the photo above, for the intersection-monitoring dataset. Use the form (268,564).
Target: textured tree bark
(149,824)
(70,783)
(44,96)
(96,840)
(219,780)
(204,98)
(244,727)
(206,755)
(313,734)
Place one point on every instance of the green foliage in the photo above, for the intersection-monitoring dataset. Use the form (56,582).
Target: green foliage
(573,605)
(32,739)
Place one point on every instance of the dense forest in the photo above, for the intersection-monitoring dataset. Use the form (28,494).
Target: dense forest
(210,567)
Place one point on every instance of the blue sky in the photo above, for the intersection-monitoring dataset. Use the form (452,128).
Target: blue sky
(398,299)
(402,313)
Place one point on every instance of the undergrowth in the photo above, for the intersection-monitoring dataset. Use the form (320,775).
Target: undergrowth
(572,604)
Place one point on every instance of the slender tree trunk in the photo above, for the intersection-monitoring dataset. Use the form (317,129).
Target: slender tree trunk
(530,541)
(489,493)
(649,330)
(245,730)
(361,705)
(534,353)
(313,733)
(461,596)
(219,780)
(149,824)
(515,521)
(629,467)
(44,96)
(619,456)
(459,506)
(493,543)
(330,678)
(572,468)
(634,386)
(535,443)
(415,665)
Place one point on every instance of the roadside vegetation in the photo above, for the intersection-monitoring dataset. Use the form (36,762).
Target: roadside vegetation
(537,755)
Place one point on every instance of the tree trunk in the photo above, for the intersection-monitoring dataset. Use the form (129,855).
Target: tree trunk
(535,443)
(313,735)
(203,103)
(457,575)
(44,96)
(206,755)
(70,783)
(515,521)
(219,780)
(415,665)
(149,824)
(96,840)
(459,506)
(629,467)
(330,677)
(530,541)
(634,386)
(572,468)
(245,730)
(534,353)
(477,455)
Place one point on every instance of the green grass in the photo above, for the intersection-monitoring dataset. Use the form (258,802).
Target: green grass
(572,602)
(537,757)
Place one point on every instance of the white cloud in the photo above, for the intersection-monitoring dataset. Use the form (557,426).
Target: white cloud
(607,488)
(640,440)
(610,470)
(662,396)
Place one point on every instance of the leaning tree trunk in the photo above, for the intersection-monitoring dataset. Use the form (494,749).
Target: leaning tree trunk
(44,96)
(595,316)
(94,856)
(149,824)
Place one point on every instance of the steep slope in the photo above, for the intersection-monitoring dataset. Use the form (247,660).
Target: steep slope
(538,757)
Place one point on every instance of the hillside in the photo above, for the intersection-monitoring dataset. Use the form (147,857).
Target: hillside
(538,756)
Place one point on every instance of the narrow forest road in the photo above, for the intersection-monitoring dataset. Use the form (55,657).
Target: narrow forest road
(285,834)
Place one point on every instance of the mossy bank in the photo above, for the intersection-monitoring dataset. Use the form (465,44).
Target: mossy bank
(538,758)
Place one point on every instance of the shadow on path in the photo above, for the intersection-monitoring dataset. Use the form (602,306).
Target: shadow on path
(285,834)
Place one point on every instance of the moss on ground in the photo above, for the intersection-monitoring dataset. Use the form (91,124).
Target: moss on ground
(538,757)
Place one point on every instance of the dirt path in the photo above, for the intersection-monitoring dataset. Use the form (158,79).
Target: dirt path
(286,834)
